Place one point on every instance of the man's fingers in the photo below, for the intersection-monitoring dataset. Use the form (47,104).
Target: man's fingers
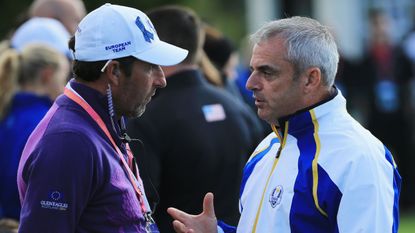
(178,214)
(208,207)
(180,227)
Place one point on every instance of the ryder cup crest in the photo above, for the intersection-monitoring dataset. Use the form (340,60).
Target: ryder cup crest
(276,196)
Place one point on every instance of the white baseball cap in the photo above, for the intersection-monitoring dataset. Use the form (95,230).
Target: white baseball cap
(114,31)
(42,30)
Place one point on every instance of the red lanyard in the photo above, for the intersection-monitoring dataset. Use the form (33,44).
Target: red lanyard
(71,94)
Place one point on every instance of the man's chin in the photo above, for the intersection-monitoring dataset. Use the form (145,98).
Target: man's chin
(262,115)
(138,113)
(265,117)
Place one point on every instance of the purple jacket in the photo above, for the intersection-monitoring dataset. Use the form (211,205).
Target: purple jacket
(70,177)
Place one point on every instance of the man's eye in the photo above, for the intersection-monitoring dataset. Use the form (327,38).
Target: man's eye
(150,67)
(153,67)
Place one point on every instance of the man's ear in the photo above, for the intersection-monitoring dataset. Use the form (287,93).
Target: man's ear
(113,72)
(312,80)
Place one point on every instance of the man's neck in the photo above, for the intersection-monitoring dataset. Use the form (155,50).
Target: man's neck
(318,97)
(311,102)
(100,85)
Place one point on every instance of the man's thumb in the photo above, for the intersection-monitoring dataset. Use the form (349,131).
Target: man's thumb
(208,207)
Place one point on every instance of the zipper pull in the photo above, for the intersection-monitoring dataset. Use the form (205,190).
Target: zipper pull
(275,129)
(279,152)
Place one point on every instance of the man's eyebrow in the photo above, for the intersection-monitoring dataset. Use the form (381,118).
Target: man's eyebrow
(267,68)
(260,67)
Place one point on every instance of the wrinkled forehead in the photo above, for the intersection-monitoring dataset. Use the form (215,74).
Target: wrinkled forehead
(270,54)
(271,47)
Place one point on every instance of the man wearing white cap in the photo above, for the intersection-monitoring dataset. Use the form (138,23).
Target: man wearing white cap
(42,30)
(77,173)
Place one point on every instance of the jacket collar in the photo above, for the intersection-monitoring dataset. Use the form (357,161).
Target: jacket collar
(99,103)
(304,118)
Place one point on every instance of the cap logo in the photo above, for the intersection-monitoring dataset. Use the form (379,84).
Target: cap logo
(148,36)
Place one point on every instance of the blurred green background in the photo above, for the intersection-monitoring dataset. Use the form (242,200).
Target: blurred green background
(407,223)
(226,15)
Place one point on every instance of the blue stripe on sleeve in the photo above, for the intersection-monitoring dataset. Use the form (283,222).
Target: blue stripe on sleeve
(396,188)
(226,228)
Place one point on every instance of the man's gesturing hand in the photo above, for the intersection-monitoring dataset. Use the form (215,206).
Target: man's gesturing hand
(203,223)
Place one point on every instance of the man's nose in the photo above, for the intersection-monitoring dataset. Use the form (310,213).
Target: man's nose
(251,83)
(160,79)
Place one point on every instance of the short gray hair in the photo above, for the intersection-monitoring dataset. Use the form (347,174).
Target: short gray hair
(308,43)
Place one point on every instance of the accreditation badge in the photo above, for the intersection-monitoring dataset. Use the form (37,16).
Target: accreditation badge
(151,226)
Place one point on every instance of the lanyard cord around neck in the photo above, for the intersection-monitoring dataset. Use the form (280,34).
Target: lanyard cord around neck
(71,94)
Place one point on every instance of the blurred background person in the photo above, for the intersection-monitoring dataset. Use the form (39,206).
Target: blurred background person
(8,226)
(244,72)
(4,45)
(210,72)
(352,88)
(44,31)
(196,136)
(224,55)
(409,49)
(68,12)
(29,81)
(384,74)
(31,78)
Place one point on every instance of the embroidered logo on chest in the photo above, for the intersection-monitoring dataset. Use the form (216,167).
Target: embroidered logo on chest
(276,196)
